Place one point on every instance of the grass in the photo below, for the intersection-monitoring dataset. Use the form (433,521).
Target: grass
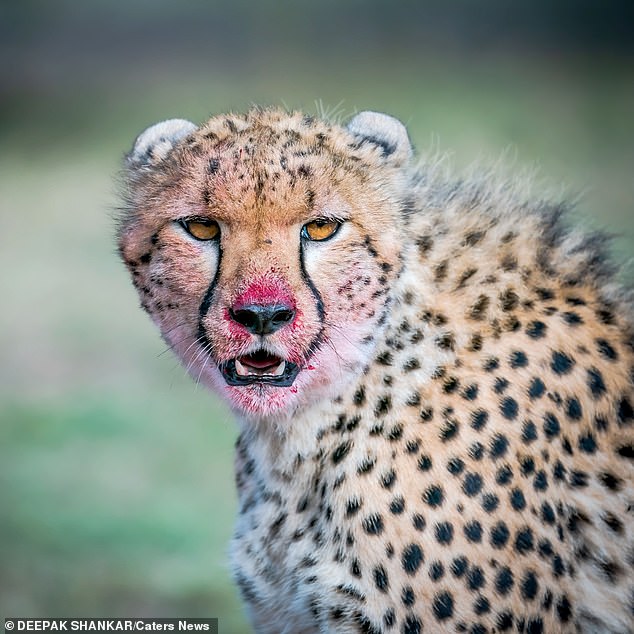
(116,471)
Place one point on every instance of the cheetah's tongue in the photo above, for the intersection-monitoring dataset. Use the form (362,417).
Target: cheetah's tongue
(260,363)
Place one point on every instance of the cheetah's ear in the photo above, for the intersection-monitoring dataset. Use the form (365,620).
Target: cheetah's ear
(383,131)
(155,143)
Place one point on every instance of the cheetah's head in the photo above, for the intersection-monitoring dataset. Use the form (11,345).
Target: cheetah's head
(265,246)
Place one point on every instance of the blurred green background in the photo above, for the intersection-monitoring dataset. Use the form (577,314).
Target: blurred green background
(116,477)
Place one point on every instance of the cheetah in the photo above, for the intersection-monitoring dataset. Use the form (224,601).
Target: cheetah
(433,378)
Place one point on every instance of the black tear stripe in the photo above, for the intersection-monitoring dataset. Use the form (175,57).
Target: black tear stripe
(315,344)
(206,303)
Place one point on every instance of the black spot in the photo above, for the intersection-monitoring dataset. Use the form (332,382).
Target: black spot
(517,499)
(534,626)
(613,522)
(499,446)
(587,444)
(436,571)
(359,396)
(479,419)
(499,535)
(626,451)
(408,597)
(389,618)
(388,479)
(455,466)
(355,568)
(412,625)
(536,329)
(145,258)
(545,294)
(527,465)
(473,531)
(492,363)
(450,385)
(412,558)
(504,581)
(504,621)
(365,625)
(551,425)
(548,514)
(610,481)
(424,243)
(606,350)
(411,364)
(509,408)
(443,606)
(384,358)
(373,524)
(444,533)
(578,479)
(383,406)
(564,609)
(524,541)
(529,586)
(472,484)
(476,450)
(395,433)
(536,388)
(366,465)
(509,300)
(529,432)
(572,318)
(459,566)
(540,482)
(424,463)
(500,385)
(595,383)
(473,237)
(434,496)
(448,430)
(470,392)
(559,471)
(481,605)
(561,363)
(504,475)
(625,412)
(490,502)
(418,521)
(475,578)
(380,578)
(558,566)
(426,414)
(341,451)
(397,505)
(352,506)
(479,308)
(518,359)
(573,409)
(413,400)
(412,446)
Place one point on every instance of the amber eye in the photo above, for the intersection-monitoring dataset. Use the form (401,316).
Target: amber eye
(320,229)
(201,229)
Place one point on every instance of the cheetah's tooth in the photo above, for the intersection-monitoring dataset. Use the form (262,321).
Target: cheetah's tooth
(240,369)
(280,369)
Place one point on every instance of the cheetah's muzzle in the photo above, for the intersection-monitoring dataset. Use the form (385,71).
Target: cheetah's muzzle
(259,367)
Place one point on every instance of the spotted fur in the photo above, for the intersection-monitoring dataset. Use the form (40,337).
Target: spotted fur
(456,452)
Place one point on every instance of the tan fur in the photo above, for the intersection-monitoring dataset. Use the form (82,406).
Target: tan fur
(465,397)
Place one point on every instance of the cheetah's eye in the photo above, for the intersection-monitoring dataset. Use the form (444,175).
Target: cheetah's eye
(321,229)
(201,229)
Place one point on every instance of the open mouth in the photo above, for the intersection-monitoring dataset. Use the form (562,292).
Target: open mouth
(259,367)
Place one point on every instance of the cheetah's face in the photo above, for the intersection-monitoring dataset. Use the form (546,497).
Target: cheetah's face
(264,248)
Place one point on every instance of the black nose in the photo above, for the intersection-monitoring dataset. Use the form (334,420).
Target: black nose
(263,320)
